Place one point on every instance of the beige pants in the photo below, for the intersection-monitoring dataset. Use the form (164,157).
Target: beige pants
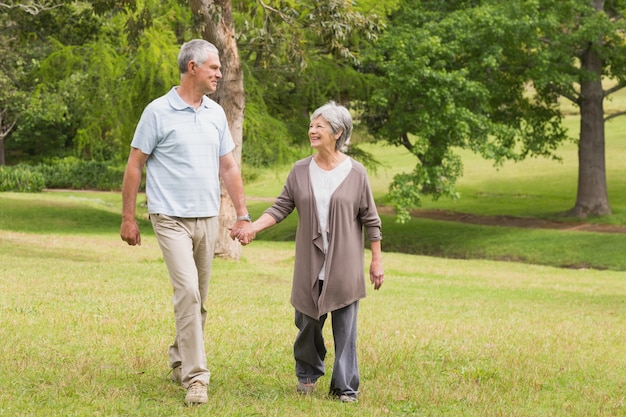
(188,246)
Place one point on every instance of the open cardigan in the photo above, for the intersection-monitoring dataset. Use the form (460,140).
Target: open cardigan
(351,209)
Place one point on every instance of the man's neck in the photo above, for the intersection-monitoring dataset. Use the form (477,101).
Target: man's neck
(189,95)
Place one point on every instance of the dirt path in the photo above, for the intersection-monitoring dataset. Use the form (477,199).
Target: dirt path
(509,221)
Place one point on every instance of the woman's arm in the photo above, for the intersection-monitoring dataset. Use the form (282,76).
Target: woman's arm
(377,275)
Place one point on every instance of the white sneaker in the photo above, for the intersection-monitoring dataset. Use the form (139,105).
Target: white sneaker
(196,394)
(344,398)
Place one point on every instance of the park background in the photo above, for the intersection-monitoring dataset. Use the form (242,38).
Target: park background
(496,319)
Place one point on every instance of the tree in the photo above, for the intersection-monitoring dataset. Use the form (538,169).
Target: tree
(5,128)
(218,27)
(593,37)
(12,69)
(296,56)
(487,76)
(99,70)
(327,24)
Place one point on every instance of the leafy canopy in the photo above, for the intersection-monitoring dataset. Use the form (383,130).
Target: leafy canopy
(484,76)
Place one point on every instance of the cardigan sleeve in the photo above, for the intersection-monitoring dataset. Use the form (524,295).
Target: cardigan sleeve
(285,202)
(368,213)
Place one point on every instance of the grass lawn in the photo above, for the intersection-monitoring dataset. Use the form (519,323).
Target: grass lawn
(87,320)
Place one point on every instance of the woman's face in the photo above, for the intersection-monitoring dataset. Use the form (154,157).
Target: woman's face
(321,134)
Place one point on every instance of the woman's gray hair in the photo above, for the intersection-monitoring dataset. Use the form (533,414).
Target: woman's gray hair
(340,121)
(197,50)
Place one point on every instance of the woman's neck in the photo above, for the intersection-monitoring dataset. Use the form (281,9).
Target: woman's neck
(329,160)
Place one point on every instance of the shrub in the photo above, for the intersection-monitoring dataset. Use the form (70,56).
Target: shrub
(63,173)
(21,179)
(76,174)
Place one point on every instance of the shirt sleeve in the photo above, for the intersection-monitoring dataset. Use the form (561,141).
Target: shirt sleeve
(145,137)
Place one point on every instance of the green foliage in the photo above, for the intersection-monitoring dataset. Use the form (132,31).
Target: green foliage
(483,76)
(44,125)
(86,87)
(45,128)
(87,69)
(79,174)
(298,55)
(63,173)
(266,139)
(278,106)
(20,179)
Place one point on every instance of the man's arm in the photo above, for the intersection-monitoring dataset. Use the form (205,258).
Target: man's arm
(129,231)
(231,175)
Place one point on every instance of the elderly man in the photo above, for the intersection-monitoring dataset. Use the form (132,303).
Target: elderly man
(183,140)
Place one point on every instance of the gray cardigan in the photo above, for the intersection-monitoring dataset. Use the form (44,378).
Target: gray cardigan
(351,209)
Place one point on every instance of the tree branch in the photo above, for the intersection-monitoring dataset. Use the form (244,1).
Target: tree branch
(5,129)
(33,7)
(615,88)
(614,115)
(404,139)
(269,8)
(564,93)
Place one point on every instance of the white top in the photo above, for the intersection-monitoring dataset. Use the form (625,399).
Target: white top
(185,146)
(324,185)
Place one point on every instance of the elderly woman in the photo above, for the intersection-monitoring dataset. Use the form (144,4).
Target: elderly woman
(332,195)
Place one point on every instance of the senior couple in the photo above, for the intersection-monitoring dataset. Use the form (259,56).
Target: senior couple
(183,141)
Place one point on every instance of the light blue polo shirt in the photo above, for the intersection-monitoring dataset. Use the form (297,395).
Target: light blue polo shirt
(184,144)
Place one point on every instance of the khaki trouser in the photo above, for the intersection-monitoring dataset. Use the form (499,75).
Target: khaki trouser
(188,246)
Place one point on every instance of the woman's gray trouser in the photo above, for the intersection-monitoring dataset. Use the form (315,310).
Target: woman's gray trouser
(309,350)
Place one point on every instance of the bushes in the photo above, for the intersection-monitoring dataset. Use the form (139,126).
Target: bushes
(20,179)
(63,173)
(76,174)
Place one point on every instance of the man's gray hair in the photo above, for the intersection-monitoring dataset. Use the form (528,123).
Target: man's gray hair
(197,50)
(340,121)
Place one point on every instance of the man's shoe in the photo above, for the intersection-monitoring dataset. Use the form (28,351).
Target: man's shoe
(177,375)
(305,388)
(196,394)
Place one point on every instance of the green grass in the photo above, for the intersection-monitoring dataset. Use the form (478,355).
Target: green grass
(86,319)
(86,322)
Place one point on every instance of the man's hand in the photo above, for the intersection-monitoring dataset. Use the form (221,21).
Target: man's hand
(129,232)
(243,231)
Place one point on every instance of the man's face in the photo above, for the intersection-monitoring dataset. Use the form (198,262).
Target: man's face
(208,74)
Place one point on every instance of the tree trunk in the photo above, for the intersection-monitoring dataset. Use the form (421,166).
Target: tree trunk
(230,95)
(592,197)
(2,158)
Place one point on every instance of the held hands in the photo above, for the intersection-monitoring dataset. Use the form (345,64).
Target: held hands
(377,275)
(243,231)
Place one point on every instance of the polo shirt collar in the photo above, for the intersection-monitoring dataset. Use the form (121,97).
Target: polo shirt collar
(178,104)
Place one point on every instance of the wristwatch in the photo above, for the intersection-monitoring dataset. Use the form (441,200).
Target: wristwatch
(247,218)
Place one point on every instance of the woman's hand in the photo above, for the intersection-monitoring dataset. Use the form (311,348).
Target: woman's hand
(243,231)
(377,275)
